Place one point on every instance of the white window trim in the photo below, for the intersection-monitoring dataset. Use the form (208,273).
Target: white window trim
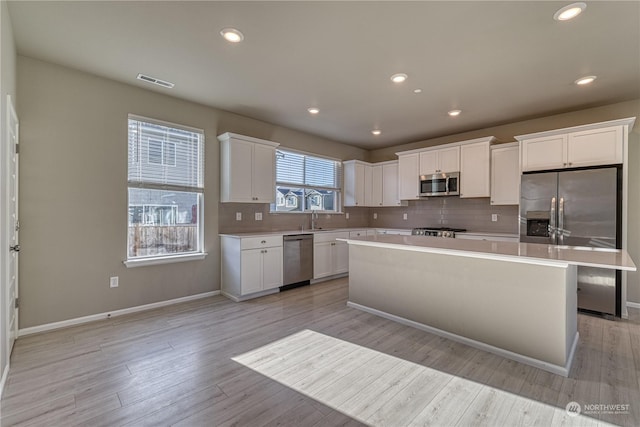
(165,259)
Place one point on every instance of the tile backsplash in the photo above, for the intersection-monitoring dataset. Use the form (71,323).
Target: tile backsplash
(472,214)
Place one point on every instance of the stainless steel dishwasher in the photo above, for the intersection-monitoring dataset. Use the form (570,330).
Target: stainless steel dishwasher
(298,260)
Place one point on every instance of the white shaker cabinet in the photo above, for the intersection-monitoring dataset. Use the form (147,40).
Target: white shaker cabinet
(438,161)
(589,145)
(408,176)
(251,266)
(357,183)
(390,184)
(505,174)
(474,169)
(330,257)
(377,185)
(247,169)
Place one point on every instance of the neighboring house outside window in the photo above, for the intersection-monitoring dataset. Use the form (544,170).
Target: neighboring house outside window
(306,182)
(166,186)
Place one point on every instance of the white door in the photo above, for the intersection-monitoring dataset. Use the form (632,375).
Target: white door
(272,268)
(12,224)
(250,271)
(264,173)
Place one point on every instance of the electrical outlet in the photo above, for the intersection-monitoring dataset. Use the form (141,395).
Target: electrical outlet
(258,216)
(238,216)
(494,217)
(375,215)
(113,282)
(404,216)
(346,216)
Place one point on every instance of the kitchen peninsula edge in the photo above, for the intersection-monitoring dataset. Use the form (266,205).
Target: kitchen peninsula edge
(513,299)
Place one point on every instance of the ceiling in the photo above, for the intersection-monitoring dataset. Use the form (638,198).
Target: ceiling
(498,62)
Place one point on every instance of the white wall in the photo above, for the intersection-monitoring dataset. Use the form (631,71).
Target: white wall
(7,87)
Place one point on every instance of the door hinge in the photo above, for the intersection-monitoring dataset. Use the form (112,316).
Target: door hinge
(17,148)
(17,226)
(17,304)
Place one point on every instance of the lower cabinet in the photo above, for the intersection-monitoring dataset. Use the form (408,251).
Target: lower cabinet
(330,257)
(251,266)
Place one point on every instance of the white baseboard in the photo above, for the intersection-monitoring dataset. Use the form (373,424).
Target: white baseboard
(556,369)
(3,380)
(109,314)
(633,304)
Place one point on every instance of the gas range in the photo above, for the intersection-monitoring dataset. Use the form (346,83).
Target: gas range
(437,231)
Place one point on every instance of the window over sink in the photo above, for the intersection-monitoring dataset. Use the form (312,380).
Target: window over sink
(306,183)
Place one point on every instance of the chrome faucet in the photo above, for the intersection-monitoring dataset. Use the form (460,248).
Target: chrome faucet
(314,218)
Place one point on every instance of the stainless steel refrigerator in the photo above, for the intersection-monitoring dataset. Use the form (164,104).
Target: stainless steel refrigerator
(577,208)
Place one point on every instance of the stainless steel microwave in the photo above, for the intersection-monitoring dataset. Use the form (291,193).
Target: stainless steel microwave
(440,184)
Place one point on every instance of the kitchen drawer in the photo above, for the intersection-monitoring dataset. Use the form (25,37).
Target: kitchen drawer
(329,236)
(358,233)
(260,242)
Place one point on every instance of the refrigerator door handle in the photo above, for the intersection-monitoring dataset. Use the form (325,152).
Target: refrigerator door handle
(561,221)
(552,221)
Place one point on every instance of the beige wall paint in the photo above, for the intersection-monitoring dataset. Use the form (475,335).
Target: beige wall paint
(7,87)
(74,191)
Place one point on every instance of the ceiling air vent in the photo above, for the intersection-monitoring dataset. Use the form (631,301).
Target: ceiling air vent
(153,80)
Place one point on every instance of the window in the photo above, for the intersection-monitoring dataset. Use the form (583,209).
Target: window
(166,186)
(306,183)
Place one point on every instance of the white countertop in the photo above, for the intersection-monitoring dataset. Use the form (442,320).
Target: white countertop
(305,231)
(518,252)
(490,234)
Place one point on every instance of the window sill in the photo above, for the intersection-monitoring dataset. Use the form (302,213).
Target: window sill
(170,259)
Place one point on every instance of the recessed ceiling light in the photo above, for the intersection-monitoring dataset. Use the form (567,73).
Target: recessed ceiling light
(399,77)
(376,131)
(313,110)
(585,80)
(570,11)
(417,91)
(454,113)
(232,35)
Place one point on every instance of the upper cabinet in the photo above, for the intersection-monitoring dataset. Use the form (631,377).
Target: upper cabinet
(408,176)
(247,169)
(438,161)
(474,168)
(505,174)
(371,185)
(589,145)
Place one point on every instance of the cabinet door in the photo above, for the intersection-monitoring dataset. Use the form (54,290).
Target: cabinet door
(377,185)
(251,271)
(474,170)
(237,184)
(505,176)
(449,160)
(544,153)
(408,176)
(264,174)
(272,268)
(390,185)
(322,259)
(595,147)
(340,257)
(367,190)
(429,162)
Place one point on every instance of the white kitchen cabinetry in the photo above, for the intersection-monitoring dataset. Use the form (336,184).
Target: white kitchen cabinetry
(377,185)
(474,169)
(408,176)
(505,174)
(589,145)
(390,184)
(357,183)
(251,266)
(330,257)
(247,169)
(438,161)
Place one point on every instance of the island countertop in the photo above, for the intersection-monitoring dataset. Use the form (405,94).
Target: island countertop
(533,253)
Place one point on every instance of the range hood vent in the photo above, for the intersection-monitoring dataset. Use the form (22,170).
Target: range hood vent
(153,80)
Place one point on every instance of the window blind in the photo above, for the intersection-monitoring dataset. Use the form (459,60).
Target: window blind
(303,170)
(165,155)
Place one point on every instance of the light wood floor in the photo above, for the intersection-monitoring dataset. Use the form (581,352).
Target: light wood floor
(302,358)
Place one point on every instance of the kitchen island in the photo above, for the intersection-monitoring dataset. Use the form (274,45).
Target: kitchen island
(514,299)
